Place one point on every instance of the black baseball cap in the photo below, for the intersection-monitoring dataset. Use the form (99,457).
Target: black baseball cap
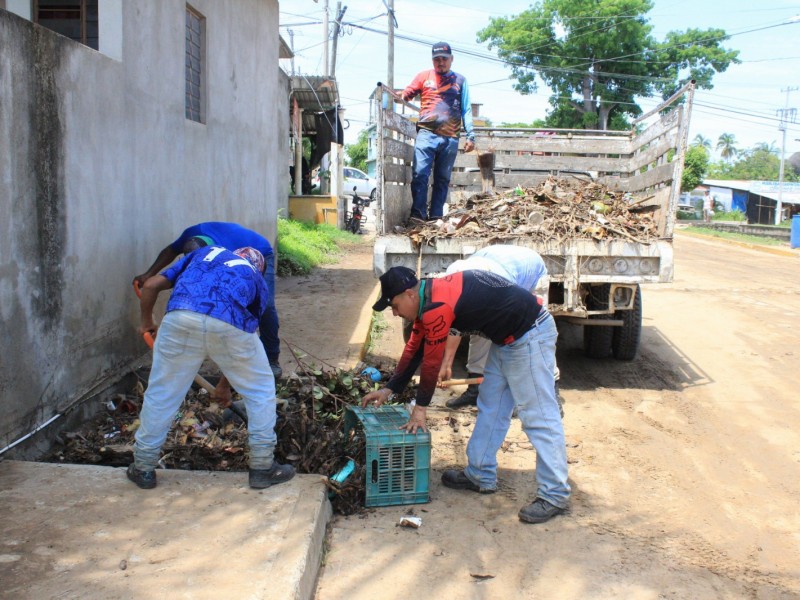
(441,49)
(395,281)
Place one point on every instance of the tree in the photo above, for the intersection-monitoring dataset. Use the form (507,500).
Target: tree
(726,144)
(758,164)
(357,153)
(598,57)
(695,165)
(702,142)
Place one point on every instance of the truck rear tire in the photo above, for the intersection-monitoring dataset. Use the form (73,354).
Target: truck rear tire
(597,338)
(625,342)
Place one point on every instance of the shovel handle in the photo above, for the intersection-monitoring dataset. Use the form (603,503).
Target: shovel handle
(470,381)
(198,379)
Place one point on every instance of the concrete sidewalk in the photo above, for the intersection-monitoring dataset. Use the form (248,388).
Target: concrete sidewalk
(76,531)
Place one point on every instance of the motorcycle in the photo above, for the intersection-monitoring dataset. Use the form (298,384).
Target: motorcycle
(355,219)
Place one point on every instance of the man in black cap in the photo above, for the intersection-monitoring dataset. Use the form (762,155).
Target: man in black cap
(444,105)
(518,373)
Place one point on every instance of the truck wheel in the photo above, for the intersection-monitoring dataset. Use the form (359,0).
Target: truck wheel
(597,338)
(625,343)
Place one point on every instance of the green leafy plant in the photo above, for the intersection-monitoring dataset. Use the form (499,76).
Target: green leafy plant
(303,246)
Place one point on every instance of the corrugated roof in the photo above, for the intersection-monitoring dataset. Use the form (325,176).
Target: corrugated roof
(767,189)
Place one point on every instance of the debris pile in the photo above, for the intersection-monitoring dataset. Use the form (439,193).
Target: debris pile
(203,436)
(556,210)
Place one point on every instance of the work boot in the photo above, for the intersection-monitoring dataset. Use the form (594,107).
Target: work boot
(457,480)
(144,479)
(277,372)
(263,478)
(468,398)
(539,511)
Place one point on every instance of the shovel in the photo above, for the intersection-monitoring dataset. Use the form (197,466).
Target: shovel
(486,165)
(469,381)
(198,379)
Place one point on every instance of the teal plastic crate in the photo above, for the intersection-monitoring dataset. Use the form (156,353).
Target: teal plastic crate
(397,464)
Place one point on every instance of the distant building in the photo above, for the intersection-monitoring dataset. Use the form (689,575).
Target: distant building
(757,199)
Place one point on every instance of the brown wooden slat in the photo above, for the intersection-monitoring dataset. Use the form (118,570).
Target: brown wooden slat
(660,148)
(574,145)
(661,174)
(397,173)
(397,149)
(396,122)
(656,130)
(396,205)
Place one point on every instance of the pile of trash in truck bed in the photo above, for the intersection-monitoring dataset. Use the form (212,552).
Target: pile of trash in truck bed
(556,210)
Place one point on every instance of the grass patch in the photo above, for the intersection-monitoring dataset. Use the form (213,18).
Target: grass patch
(376,329)
(303,246)
(730,235)
(731,215)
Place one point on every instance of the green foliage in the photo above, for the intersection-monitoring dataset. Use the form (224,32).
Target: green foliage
(702,141)
(695,165)
(357,153)
(302,246)
(726,144)
(731,235)
(758,164)
(599,58)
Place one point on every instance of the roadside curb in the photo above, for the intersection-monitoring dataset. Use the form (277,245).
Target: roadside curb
(363,329)
(767,249)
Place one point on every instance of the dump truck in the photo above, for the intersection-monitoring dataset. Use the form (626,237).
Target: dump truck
(593,283)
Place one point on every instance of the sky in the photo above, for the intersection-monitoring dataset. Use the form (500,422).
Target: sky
(744,100)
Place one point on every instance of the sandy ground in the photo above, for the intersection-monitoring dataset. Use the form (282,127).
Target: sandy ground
(684,463)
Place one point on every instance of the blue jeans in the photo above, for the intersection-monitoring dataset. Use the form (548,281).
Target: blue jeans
(435,152)
(521,373)
(268,326)
(184,340)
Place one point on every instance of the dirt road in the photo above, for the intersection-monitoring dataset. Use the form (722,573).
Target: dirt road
(685,463)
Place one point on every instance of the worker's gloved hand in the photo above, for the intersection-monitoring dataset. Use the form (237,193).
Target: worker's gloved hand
(223,394)
(417,420)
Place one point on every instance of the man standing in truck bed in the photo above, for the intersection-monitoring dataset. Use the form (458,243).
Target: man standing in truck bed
(519,371)
(444,104)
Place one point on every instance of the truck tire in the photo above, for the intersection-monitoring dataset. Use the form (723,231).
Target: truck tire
(597,338)
(625,342)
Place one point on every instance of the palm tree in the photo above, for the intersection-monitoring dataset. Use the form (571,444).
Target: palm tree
(726,144)
(701,141)
(765,147)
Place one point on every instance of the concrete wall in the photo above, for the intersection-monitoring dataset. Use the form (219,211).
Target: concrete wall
(99,170)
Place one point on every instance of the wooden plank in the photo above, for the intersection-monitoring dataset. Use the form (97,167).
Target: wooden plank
(560,163)
(396,203)
(643,181)
(571,145)
(397,122)
(656,130)
(503,181)
(397,149)
(660,148)
(397,173)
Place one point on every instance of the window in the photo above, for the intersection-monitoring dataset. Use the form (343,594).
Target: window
(195,47)
(75,19)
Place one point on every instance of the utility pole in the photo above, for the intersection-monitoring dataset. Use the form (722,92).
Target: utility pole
(291,45)
(390,37)
(336,28)
(787,115)
(325,38)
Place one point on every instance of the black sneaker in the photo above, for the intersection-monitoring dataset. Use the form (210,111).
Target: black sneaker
(539,511)
(458,481)
(468,398)
(144,479)
(263,478)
